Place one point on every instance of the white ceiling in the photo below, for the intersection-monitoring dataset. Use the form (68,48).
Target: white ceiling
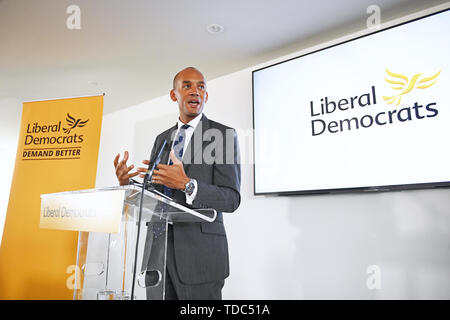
(132,48)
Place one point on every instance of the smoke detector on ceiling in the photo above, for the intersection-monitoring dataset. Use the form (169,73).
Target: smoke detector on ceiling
(215,28)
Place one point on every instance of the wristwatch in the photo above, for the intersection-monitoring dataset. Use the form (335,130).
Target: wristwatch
(189,187)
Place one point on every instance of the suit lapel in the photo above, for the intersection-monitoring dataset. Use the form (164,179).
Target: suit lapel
(169,138)
(165,154)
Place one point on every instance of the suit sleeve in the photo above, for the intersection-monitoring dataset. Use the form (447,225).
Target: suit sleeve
(223,194)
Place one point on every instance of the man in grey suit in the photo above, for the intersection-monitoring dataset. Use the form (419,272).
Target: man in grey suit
(203,173)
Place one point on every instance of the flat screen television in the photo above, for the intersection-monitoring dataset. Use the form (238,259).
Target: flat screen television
(370,113)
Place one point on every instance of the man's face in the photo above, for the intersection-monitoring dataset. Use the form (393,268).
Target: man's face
(190,93)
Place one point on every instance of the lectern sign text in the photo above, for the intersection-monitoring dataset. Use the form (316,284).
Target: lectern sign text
(87,211)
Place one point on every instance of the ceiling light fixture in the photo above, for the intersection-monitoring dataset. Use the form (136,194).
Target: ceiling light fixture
(215,28)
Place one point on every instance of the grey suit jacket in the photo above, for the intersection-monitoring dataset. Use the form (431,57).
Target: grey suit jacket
(212,158)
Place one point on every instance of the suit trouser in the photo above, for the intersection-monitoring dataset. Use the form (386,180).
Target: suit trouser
(175,289)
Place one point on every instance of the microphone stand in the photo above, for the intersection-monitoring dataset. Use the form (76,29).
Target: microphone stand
(147,178)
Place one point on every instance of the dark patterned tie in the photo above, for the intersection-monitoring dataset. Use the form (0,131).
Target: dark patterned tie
(178,144)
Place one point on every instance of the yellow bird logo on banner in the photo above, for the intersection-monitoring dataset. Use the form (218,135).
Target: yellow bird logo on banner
(73,123)
(401,82)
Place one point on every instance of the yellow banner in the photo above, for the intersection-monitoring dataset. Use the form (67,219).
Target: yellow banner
(57,151)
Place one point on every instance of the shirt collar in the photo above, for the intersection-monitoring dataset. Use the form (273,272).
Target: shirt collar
(193,123)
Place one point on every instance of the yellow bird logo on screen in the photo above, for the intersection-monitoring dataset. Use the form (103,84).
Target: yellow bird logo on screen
(401,82)
(72,123)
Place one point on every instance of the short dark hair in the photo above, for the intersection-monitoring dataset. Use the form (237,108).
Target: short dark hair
(176,76)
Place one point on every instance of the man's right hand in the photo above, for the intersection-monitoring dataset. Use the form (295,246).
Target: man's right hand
(122,171)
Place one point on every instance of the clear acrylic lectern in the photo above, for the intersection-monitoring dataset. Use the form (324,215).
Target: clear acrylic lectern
(130,264)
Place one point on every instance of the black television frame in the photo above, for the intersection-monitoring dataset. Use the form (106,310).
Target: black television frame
(382,188)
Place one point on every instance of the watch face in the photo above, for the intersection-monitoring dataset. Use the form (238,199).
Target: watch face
(189,187)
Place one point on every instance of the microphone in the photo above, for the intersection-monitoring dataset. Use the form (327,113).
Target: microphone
(151,168)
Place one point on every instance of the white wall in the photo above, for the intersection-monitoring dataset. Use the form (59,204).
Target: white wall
(9,134)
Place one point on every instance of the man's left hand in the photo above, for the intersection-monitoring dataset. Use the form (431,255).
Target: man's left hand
(172,176)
